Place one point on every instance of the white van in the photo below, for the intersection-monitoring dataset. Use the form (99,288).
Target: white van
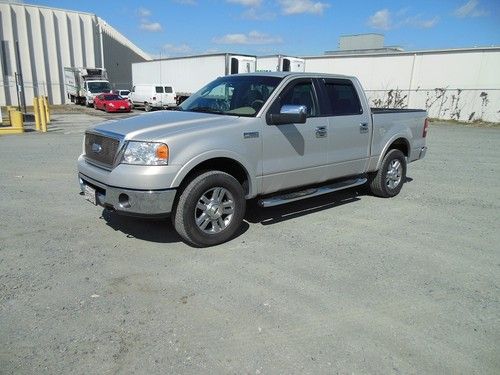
(152,96)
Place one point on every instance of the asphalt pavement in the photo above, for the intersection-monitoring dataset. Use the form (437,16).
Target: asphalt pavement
(344,283)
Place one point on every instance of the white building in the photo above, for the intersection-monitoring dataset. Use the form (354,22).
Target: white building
(460,84)
(40,42)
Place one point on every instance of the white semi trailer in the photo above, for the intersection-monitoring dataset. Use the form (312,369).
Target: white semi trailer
(188,74)
(280,63)
(84,84)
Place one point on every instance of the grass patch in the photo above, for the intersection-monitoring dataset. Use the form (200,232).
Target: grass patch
(473,124)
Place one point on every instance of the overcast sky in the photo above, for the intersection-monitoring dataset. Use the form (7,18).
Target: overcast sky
(294,27)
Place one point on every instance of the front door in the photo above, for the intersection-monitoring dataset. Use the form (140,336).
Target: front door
(295,154)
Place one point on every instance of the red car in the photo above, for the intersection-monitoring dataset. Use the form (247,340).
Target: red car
(112,103)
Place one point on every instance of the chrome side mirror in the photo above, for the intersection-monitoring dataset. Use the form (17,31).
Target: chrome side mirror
(289,114)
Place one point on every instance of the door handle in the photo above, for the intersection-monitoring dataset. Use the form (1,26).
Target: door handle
(363,127)
(321,132)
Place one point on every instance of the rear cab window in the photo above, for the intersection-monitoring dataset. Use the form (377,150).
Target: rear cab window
(341,98)
(159,89)
(168,90)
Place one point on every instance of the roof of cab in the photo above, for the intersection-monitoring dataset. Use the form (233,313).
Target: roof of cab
(296,75)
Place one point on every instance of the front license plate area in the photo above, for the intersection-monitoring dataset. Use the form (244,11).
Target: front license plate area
(90,194)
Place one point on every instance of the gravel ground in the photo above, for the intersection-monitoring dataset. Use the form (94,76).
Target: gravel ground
(345,283)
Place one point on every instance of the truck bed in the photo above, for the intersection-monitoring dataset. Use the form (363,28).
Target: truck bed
(407,122)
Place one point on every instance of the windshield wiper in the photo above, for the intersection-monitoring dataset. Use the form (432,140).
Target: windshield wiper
(205,110)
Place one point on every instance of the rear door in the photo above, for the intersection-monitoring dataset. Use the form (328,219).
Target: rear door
(169,95)
(349,128)
(295,154)
(159,95)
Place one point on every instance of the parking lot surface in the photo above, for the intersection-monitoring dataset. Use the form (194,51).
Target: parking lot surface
(344,283)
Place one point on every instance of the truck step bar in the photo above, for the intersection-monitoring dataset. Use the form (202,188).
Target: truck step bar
(310,192)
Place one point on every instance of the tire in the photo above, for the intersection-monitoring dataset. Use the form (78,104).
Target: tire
(389,179)
(147,107)
(197,216)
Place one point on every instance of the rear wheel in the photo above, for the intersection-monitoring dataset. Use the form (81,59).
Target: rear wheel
(388,180)
(147,107)
(210,209)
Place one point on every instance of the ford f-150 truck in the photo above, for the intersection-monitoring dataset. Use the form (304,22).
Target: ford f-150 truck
(276,136)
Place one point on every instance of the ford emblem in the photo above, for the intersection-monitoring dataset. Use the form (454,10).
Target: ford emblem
(97,148)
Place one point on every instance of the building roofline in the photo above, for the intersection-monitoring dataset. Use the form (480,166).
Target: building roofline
(47,7)
(280,55)
(405,53)
(361,34)
(202,55)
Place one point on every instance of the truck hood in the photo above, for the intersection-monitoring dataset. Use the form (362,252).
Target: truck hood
(158,125)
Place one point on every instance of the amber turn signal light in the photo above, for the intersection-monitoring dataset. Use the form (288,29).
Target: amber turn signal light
(162,152)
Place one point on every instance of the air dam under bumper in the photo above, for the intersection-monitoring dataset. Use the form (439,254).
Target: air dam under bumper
(142,203)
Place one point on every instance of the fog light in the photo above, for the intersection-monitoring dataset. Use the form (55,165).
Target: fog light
(124,200)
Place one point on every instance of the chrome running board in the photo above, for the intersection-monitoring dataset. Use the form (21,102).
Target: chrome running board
(310,192)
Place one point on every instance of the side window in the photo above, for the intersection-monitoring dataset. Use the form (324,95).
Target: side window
(159,89)
(301,93)
(343,98)
(168,90)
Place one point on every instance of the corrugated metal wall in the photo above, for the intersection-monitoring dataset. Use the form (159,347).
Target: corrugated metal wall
(451,84)
(50,39)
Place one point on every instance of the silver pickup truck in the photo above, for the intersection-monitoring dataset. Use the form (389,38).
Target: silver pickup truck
(276,136)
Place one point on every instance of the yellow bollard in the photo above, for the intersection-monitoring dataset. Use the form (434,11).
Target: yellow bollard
(43,119)
(47,110)
(17,120)
(36,111)
(10,109)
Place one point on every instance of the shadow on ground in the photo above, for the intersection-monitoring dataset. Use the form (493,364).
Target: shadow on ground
(162,230)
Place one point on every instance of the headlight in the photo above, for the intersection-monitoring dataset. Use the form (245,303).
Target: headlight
(146,153)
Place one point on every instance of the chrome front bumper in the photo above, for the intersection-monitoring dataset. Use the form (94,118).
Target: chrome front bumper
(131,202)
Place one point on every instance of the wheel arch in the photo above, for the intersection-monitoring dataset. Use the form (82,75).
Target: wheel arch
(399,142)
(221,161)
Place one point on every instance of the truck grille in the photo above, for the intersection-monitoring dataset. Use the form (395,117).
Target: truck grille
(101,149)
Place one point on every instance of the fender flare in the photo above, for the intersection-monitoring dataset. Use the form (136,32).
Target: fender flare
(213,154)
(405,136)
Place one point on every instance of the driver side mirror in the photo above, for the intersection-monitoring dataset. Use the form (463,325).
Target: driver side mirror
(289,114)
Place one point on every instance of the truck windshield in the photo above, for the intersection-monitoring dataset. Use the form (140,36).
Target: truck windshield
(96,87)
(233,95)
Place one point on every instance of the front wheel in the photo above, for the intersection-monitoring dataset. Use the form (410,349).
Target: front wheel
(147,107)
(388,180)
(210,209)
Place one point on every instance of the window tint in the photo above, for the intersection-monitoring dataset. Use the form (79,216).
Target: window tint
(343,99)
(159,89)
(168,90)
(301,93)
